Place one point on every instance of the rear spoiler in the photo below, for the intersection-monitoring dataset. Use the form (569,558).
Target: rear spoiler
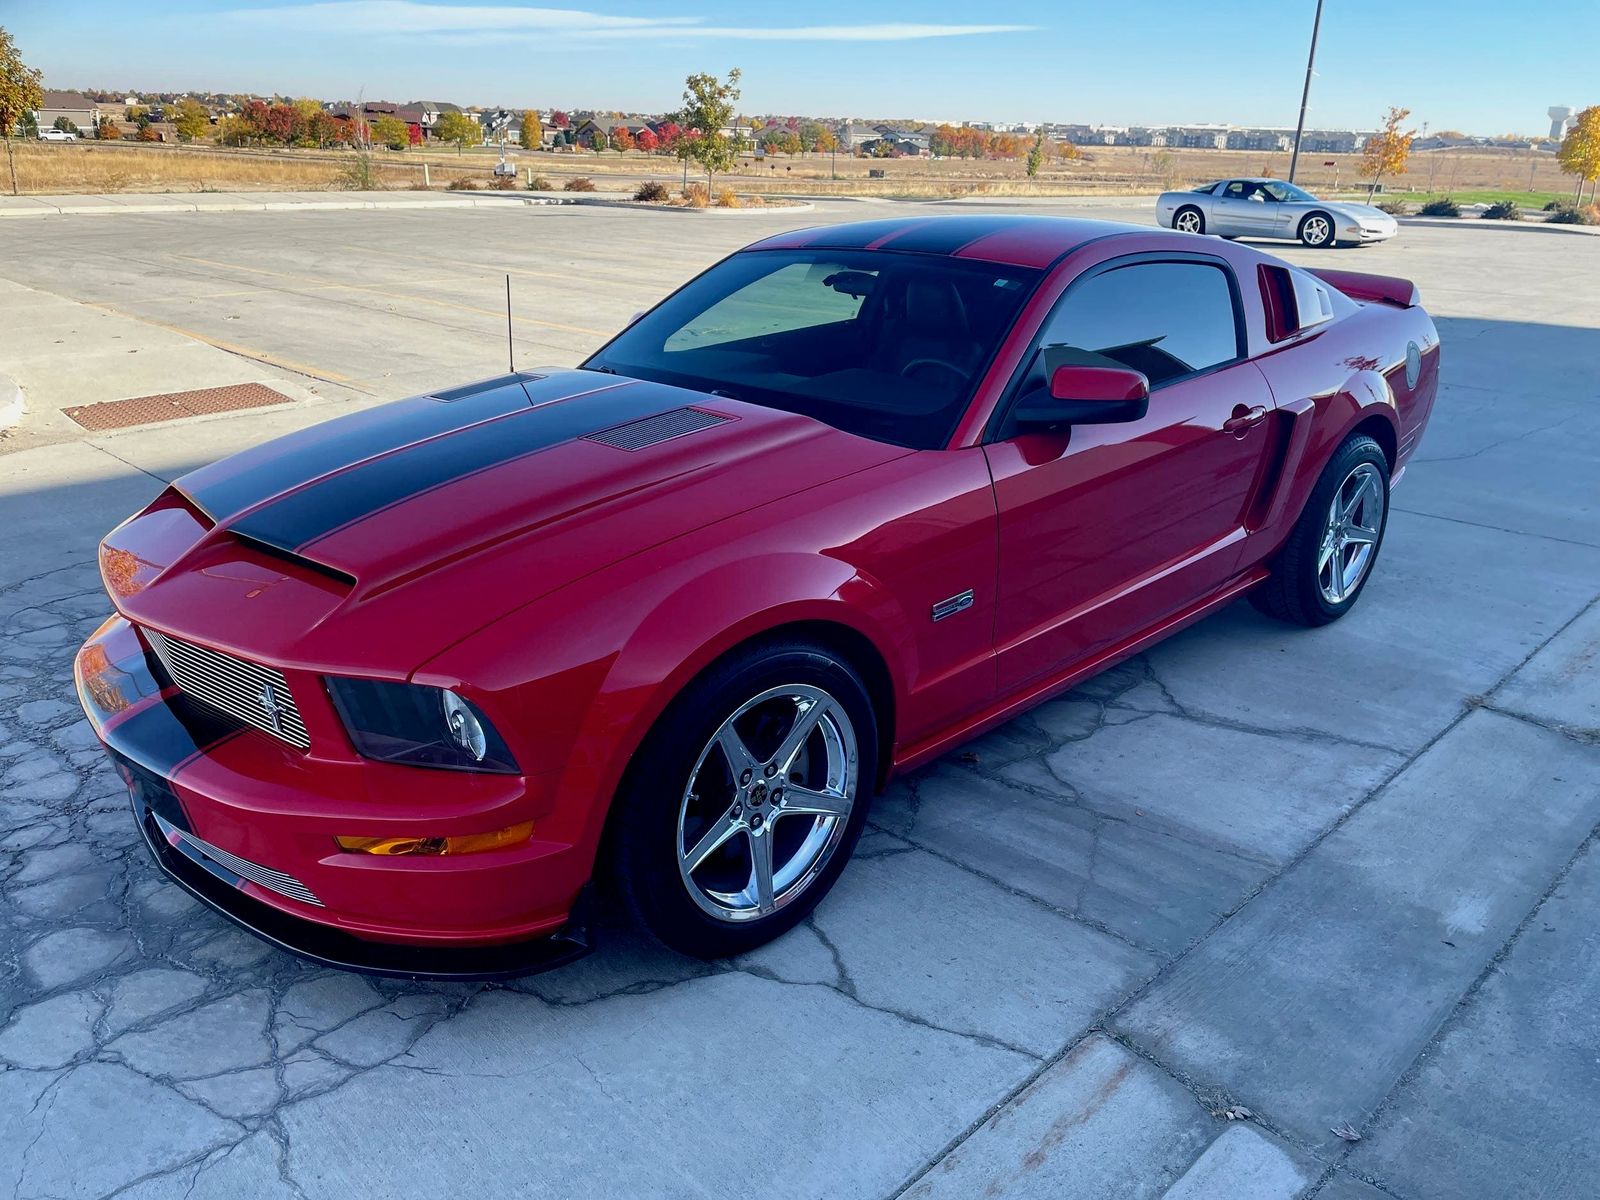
(1385,289)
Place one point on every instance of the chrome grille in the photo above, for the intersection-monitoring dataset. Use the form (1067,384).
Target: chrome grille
(275,881)
(246,691)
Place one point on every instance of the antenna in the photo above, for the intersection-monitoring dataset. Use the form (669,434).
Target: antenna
(511,349)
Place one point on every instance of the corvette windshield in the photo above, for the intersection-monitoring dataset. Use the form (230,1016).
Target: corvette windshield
(884,344)
(1286,193)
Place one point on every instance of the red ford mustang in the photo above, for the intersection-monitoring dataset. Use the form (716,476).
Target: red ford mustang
(391,690)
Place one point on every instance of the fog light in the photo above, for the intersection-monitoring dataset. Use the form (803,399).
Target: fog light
(466,843)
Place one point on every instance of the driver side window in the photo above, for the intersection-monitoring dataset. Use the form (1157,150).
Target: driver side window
(1168,320)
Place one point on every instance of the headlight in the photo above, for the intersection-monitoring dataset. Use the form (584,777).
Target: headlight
(419,726)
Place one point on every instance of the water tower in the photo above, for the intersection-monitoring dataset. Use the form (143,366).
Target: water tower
(1560,118)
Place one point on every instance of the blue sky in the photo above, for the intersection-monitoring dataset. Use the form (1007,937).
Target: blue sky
(1480,65)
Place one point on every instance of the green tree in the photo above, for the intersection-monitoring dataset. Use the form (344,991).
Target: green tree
(532,136)
(191,118)
(707,109)
(458,128)
(1036,154)
(1580,149)
(21,91)
(391,131)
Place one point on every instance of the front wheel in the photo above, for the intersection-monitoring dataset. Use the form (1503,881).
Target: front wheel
(1329,556)
(746,801)
(1317,231)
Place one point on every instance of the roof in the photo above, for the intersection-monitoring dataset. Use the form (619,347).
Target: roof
(1018,240)
(67,100)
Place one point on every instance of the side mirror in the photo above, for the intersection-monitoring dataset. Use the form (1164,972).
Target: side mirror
(1087,396)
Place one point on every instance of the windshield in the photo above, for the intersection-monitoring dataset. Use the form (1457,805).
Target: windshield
(883,344)
(1285,193)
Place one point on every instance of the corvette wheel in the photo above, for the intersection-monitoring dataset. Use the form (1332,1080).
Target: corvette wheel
(1189,220)
(1329,556)
(1316,231)
(770,758)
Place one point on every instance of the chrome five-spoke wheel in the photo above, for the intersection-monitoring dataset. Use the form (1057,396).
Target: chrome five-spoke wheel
(767,802)
(1188,220)
(1350,535)
(1317,230)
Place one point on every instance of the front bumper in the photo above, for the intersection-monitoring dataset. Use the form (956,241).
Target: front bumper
(225,825)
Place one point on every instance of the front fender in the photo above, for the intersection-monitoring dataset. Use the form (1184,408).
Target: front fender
(576,680)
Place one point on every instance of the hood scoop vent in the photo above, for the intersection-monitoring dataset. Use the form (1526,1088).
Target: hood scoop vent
(648,431)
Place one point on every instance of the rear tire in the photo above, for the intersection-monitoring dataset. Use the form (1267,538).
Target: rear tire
(1329,557)
(720,787)
(1318,231)
(1189,219)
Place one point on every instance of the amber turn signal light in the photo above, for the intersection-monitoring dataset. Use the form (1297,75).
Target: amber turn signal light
(466,843)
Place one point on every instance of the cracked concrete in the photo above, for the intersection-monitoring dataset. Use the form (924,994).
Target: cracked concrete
(1340,877)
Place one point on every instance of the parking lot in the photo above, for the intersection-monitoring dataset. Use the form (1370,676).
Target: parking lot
(1265,912)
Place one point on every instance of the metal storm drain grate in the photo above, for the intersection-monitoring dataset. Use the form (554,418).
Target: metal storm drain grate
(141,410)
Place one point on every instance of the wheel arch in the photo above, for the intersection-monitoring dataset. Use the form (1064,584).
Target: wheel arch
(1381,428)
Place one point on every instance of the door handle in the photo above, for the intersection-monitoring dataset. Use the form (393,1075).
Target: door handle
(1243,418)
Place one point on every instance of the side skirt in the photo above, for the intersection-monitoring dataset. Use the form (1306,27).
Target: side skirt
(929,748)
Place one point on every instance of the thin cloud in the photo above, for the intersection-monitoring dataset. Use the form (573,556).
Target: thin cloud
(463,22)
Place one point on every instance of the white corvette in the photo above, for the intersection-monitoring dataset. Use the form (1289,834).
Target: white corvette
(1275,209)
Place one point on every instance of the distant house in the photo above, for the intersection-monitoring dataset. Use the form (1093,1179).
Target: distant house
(855,135)
(907,142)
(431,110)
(588,130)
(74,106)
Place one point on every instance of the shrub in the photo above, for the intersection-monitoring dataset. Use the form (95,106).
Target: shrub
(581,184)
(653,191)
(1395,208)
(503,183)
(540,184)
(726,199)
(1441,208)
(1504,210)
(463,184)
(696,195)
(1556,205)
(1563,212)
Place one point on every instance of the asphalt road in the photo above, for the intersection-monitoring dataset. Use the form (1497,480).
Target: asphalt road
(1342,879)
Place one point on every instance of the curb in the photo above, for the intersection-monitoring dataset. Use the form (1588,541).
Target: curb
(12,402)
(1529,226)
(41,207)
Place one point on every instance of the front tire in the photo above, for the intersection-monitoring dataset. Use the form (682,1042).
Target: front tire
(747,799)
(1189,219)
(1318,231)
(1330,555)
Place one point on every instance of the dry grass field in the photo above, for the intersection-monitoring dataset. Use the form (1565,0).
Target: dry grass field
(126,167)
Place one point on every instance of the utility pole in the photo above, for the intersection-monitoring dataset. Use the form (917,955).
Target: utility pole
(1305,94)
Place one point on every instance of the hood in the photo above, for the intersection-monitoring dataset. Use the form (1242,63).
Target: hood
(373,541)
(1367,213)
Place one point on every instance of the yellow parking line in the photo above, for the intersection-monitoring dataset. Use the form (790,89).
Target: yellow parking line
(261,356)
(389,291)
(585,276)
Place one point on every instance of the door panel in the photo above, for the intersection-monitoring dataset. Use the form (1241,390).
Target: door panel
(1110,528)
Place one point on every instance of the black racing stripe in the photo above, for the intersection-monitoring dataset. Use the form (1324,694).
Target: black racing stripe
(299,458)
(946,235)
(858,234)
(316,511)
(163,734)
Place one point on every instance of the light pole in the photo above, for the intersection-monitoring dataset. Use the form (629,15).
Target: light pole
(1305,94)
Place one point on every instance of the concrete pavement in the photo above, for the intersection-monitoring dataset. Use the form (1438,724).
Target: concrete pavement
(1343,878)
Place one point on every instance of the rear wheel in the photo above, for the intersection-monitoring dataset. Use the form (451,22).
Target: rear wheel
(1330,554)
(744,806)
(1189,219)
(1317,230)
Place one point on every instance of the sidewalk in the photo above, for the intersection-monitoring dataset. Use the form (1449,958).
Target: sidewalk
(159,203)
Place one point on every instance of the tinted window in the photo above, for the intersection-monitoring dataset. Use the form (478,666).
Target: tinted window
(1165,319)
(887,345)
